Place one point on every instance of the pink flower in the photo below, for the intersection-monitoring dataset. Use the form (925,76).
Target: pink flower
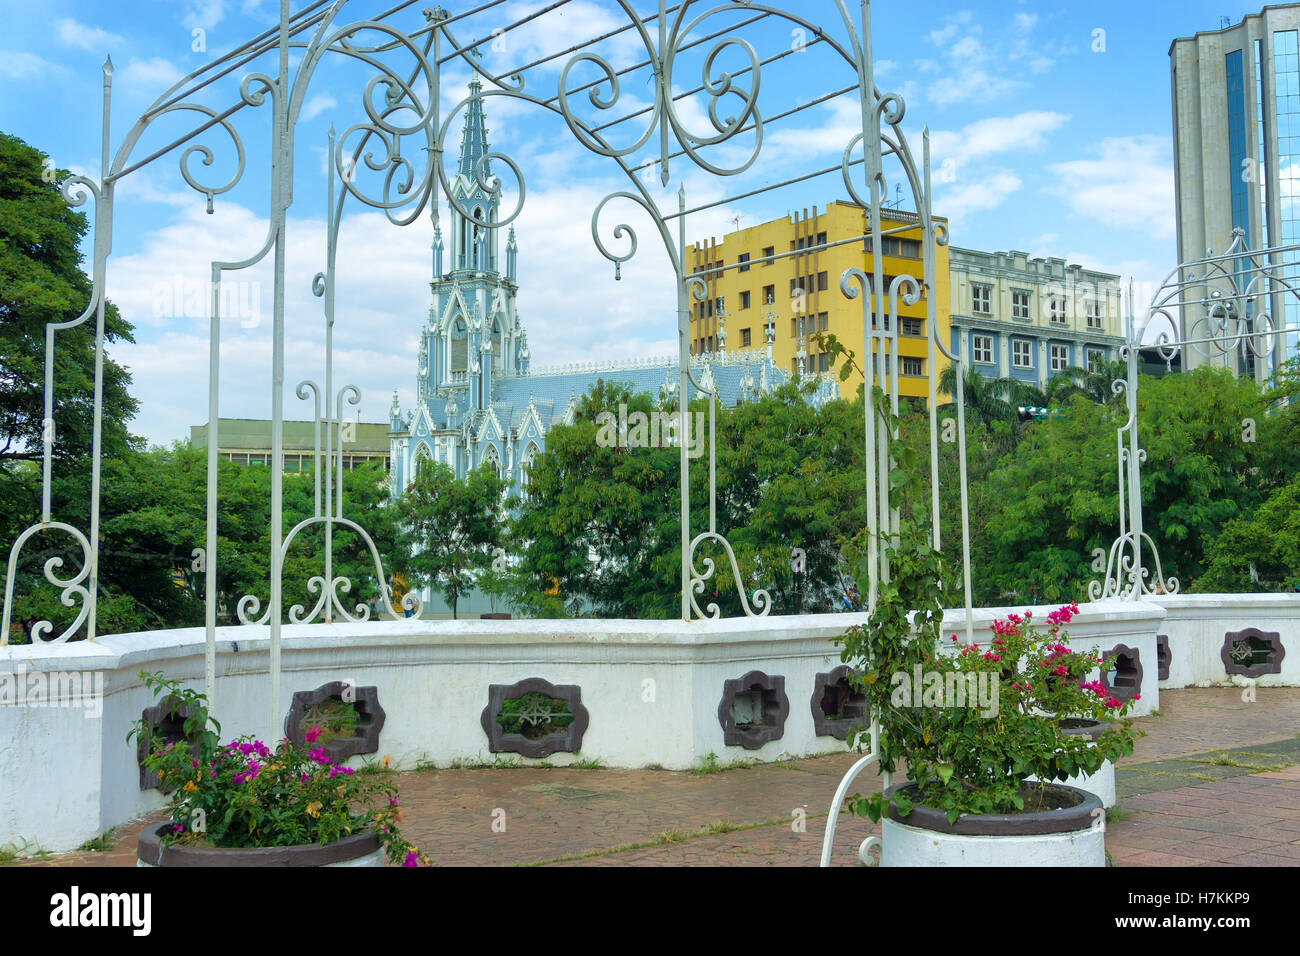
(412,859)
(311,735)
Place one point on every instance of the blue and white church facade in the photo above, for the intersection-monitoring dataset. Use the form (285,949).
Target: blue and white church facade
(477,399)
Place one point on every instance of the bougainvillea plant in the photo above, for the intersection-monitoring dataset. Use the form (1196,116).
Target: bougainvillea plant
(967,756)
(244,794)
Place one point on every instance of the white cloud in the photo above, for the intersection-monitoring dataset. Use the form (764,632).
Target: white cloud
(204,14)
(20,65)
(86,37)
(153,76)
(994,135)
(977,194)
(316,105)
(1130,185)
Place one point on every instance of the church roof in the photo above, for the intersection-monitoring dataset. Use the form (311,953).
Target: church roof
(474,142)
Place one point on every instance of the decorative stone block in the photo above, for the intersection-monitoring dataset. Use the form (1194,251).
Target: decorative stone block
(753,710)
(1252,652)
(370,718)
(167,720)
(837,707)
(1127,663)
(567,741)
(1163,656)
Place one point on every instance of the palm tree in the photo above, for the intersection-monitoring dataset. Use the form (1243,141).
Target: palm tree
(991,400)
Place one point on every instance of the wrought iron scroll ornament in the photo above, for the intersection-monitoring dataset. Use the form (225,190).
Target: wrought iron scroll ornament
(1226,302)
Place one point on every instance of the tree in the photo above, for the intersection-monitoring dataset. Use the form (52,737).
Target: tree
(1094,383)
(990,400)
(450,529)
(42,282)
(1260,551)
(602,518)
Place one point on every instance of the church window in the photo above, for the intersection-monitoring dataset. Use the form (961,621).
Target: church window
(459,346)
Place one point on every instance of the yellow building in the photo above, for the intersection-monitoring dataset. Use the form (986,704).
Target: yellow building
(802,288)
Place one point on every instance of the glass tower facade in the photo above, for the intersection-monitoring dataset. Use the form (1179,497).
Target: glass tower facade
(1286,116)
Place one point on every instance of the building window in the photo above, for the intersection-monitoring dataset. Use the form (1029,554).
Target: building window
(744,338)
(982,347)
(1093,310)
(743,259)
(1095,358)
(911,327)
(823,362)
(1020,305)
(768,253)
(769,293)
(823,320)
(913,366)
(821,241)
(1056,309)
(1060,357)
(981,299)
(1022,354)
(744,300)
(894,246)
(823,282)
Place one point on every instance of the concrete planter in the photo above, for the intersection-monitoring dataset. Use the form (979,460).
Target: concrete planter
(1101,783)
(1071,836)
(361,849)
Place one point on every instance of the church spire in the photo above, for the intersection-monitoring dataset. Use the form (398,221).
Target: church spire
(474,143)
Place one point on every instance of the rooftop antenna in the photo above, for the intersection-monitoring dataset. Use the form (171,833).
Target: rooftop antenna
(735,222)
(1224,22)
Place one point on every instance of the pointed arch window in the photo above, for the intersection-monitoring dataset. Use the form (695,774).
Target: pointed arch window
(496,345)
(493,458)
(526,466)
(478,263)
(423,459)
(459,345)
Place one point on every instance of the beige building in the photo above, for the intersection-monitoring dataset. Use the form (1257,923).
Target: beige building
(1028,318)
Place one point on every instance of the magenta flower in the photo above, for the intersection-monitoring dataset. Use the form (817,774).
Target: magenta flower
(412,859)
(318,755)
(311,735)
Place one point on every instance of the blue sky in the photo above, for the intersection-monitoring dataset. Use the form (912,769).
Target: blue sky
(1050,134)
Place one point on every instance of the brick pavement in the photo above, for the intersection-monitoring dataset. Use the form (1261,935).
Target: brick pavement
(1212,809)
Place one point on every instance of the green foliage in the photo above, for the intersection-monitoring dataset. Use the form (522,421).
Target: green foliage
(101,843)
(448,529)
(1259,551)
(601,525)
(534,715)
(331,719)
(243,794)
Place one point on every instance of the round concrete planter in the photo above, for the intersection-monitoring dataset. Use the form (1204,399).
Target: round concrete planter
(1101,783)
(1069,836)
(361,849)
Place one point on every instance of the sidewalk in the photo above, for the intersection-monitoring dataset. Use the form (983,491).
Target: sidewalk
(1216,781)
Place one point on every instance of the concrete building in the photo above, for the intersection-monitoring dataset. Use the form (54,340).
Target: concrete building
(1029,318)
(1236,113)
(799,295)
(247,441)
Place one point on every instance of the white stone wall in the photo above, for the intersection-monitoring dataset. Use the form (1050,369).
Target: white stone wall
(1197,623)
(66,776)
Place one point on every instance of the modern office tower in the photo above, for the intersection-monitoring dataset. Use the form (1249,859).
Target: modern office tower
(1236,111)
